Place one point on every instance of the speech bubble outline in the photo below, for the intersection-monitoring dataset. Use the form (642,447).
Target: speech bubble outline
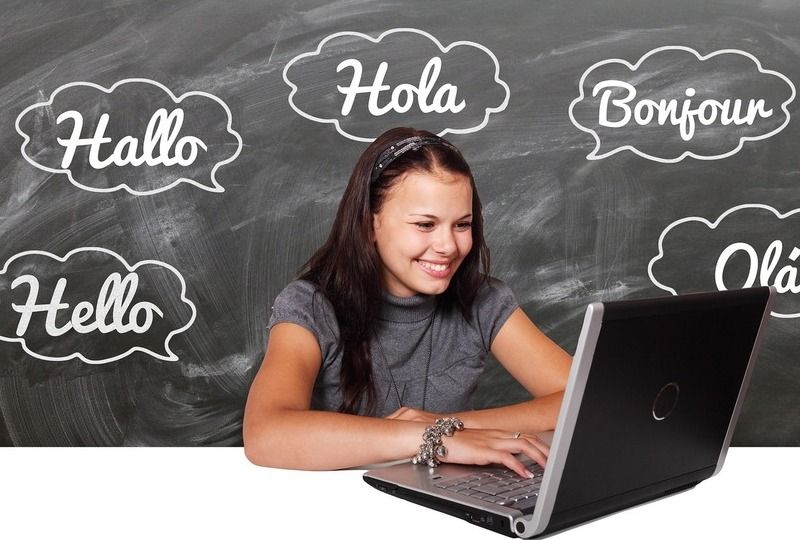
(171,357)
(594,155)
(335,121)
(217,188)
(713,226)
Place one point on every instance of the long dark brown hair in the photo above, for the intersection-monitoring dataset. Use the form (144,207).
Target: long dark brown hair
(348,270)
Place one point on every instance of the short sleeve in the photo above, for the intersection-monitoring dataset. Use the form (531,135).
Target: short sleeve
(493,305)
(302,304)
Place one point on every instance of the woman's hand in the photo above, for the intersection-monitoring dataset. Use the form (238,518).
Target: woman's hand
(483,446)
(487,446)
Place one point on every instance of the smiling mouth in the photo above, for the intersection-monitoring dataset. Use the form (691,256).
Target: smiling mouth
(434,270)
(435,267)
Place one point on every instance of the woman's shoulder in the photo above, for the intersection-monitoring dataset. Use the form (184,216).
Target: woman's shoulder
(493,305)
(300,290)
(494,291)
(302,302)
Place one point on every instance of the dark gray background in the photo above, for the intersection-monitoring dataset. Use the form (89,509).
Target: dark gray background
(563,231)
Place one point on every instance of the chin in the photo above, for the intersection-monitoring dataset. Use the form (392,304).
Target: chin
(434,288)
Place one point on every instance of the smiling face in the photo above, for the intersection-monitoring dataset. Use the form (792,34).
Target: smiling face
(423,232)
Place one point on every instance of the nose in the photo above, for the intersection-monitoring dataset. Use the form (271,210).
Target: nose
(444,242)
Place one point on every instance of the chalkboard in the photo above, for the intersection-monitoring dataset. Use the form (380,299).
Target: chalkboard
(167,167)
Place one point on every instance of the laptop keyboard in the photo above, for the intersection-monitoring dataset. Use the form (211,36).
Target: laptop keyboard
(499,486)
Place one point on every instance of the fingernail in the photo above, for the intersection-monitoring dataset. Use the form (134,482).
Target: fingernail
(529,474)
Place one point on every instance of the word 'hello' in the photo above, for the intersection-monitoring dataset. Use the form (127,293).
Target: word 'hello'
(114,300)
(161,144)
(685,114)
(403,95)
(784,281)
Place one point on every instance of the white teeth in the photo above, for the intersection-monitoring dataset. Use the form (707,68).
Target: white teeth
(434,267)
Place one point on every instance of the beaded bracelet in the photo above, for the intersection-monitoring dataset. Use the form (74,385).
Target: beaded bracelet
(432,448)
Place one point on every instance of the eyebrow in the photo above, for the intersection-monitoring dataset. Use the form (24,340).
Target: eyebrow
(430,216)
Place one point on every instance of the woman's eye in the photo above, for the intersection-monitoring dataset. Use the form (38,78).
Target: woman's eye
(424,225)
(465,226)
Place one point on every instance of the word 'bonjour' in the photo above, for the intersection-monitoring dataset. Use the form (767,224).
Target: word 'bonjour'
(784,281)
(402,97)
(685,114)
(114,301)
(162,144)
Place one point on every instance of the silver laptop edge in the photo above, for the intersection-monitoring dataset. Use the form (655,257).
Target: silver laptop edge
(746,380)
(527,526)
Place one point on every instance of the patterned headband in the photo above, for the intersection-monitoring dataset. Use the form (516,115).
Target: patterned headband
(399,148)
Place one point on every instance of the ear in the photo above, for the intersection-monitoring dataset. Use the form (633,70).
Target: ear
(376,224)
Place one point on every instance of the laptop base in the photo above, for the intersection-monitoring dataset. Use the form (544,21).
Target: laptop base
(483,518)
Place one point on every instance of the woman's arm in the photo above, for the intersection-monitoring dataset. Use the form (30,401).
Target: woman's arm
(537,363)
(281,431)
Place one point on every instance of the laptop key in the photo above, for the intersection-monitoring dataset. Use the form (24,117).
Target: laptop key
(489,490)
(528,502)
(524,492)
(448,484)
(521,483)
(499,487)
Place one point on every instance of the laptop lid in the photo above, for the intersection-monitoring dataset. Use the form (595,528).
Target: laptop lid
(651,404)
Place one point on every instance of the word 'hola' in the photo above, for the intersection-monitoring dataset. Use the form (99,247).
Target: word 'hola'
(443,100)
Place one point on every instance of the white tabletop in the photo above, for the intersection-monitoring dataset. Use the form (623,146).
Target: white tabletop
(214,493)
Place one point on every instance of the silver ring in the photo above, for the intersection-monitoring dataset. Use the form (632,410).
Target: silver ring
(517,434)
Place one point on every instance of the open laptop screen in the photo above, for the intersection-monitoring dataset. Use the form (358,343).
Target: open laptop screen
(662,391)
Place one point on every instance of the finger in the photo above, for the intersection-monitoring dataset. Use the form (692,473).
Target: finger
(512,463)
(522,446)
(543,447)
(534,440)
(534,452)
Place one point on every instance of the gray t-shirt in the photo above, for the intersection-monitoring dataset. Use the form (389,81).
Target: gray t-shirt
(414,341)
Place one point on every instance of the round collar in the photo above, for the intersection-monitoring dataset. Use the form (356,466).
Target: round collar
(407,309)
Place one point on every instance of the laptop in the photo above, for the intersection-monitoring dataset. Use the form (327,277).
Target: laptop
(651,403)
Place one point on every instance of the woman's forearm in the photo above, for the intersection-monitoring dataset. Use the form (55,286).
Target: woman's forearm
(319,440)
(532,416)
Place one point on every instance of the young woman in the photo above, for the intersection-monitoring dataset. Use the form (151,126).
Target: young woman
(388,325)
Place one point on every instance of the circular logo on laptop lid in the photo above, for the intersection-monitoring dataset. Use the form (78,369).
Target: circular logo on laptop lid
(665,401)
